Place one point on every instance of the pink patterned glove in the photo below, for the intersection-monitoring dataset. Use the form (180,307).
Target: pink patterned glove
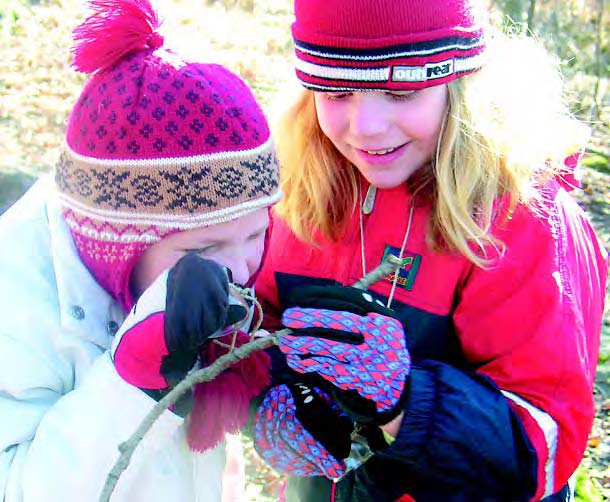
(298,432)
(361,358)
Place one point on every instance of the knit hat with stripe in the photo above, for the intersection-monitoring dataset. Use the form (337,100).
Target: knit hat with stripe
(386,44)
(155,144)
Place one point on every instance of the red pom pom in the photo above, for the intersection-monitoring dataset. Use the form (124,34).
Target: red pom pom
(221,406)
(115,29)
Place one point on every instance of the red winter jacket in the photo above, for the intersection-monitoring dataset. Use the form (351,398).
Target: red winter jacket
(500,398)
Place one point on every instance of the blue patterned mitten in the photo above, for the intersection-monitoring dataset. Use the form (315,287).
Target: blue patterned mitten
(299,432)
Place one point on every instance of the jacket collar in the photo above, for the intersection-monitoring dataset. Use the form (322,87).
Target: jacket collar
(84,305)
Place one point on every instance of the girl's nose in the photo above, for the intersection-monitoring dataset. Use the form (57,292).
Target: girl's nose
(368,115)
(239,270)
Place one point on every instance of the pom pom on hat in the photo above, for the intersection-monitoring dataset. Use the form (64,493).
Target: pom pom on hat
(221,405)
(115,29)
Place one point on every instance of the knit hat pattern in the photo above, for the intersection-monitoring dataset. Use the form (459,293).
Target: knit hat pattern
(386,44)
(155,145)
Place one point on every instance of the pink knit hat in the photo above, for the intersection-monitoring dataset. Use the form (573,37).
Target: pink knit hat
(386,44)
(155,144)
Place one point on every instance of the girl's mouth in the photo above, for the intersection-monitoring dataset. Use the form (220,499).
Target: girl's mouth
(382,151)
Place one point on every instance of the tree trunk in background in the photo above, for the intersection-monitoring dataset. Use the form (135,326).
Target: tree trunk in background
(531,13)
(513,9)
(598,60)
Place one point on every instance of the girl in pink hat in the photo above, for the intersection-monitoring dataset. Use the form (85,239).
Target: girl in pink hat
(115,275)
(466,373)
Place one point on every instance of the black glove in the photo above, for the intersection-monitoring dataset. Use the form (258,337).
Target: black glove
(159,341)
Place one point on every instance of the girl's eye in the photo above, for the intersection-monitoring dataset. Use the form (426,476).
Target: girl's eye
(205,251)
(337,95)
(402,95)
(256,236)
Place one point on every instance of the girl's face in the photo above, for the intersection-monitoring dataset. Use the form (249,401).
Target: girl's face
(387,135)
(237,245)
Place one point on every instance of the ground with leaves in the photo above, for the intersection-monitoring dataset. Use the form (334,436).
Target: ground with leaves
(595,486)
(37,90)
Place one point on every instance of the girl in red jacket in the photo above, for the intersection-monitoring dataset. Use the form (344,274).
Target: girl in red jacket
(465,374)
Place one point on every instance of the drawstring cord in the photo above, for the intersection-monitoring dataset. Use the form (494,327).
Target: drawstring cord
(366,207)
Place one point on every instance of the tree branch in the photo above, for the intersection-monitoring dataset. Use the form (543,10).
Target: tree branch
(210,372)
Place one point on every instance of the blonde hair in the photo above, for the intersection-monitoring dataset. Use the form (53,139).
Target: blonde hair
(507,130)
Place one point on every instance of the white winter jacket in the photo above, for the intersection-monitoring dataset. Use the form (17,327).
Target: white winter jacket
(63,408)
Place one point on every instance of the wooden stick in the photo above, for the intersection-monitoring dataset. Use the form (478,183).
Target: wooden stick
(210,372)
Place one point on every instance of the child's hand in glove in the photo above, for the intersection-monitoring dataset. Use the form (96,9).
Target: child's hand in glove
(299,432)
(159,341)
(354,344)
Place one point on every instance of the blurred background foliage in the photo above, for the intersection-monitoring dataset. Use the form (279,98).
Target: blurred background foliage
(578,32)
(252,37)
